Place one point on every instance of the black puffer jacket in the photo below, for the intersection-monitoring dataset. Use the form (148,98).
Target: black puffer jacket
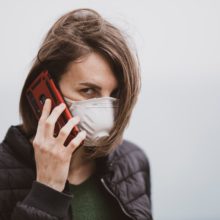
(124,174)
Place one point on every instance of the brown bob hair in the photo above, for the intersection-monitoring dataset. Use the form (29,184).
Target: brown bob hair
(73,36)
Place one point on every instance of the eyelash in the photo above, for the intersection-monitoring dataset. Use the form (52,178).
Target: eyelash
(115,93)
(86,89)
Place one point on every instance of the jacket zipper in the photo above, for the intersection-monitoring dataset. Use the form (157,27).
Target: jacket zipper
(119,202)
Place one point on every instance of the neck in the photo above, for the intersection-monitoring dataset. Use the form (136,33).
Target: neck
(81,168)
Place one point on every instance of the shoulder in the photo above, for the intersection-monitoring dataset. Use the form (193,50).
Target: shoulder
(130,169)
(131,153)
(11,167)
(8,160)
(14,172)
(15,178)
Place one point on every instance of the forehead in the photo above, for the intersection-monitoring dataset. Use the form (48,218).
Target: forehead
(93,68)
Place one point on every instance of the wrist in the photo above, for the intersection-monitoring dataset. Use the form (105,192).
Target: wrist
(40,197)
(56,186)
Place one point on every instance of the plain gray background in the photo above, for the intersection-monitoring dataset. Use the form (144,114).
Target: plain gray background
(176,120)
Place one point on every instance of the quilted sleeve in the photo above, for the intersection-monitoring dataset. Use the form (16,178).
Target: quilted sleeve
(42,203)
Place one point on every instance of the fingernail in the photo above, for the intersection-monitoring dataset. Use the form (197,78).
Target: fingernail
(63,105)
(84,133)
(77,117)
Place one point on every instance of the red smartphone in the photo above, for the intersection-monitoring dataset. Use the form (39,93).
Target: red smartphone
(40,89)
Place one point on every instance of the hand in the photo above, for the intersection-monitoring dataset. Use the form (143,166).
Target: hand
(51,156)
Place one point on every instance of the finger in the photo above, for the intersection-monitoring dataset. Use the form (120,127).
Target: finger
(46,110)
(52,119)
(44,115)
(75,143)
(65,130)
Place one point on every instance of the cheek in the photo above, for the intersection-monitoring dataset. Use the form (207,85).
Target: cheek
(73,95)
(67,91)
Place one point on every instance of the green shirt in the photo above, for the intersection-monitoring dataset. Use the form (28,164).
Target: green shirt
(92,202)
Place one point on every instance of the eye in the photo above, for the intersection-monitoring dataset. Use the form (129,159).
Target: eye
(115,93)
(88,91)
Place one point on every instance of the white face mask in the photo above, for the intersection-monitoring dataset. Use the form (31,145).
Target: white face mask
(97,116)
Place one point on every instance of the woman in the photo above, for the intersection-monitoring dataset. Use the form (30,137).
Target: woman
(98,175)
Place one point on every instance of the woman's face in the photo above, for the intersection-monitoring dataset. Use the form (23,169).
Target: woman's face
(90,78)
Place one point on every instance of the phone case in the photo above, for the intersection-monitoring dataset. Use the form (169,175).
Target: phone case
(40,89)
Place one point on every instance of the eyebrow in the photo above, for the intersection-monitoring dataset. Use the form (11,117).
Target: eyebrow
(91,85)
